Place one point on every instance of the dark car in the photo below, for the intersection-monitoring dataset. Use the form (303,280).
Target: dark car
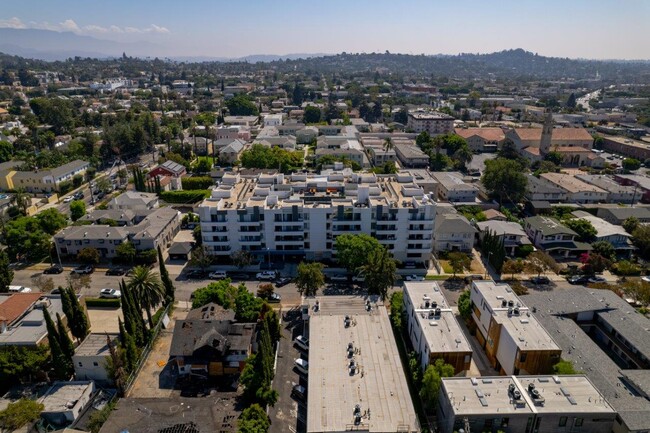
(79,196)
(196,275)
(540,280)
(54,269)
(116,271)
(283,281)
(578,279)
(83,270)
(238,276)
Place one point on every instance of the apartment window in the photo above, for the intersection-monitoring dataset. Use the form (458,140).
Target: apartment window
(505,421)
(563,421)
(95,364)
(522,357)
(80,364)
(578,422)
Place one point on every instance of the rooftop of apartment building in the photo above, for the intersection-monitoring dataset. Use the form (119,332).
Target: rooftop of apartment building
(555,394)
(452,180)
(435,317)
(570,183)
(557,311)
(508,310)
(95,345)
(603,228)
(606,183)
(430,115)
(377,384)
(316,190)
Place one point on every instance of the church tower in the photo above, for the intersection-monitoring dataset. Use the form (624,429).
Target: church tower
(547,133)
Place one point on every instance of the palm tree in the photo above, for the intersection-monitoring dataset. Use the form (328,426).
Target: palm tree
(148,288)
(22,200)
(388,144)
(379,271)
(464,155)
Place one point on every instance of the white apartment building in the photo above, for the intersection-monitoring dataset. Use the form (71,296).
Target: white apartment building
(434,123)
(301,214)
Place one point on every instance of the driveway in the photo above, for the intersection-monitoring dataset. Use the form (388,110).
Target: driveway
(288,415)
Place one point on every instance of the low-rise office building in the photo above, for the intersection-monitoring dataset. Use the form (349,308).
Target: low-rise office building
(355,380)
(432,326)
(514,341)
(518,404)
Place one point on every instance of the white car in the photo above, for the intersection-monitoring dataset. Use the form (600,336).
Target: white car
(266,275)
(301,365)
(19,289)
(110,293)
(217,275)
(302,342)
(68,199)
(414,277)
(646,279)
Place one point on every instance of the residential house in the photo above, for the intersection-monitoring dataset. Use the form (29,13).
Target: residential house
(134,200)
(550,235)
(168,168)
(482,140)
(540,190)
(453,188)
(90,358)
(618,214)
(432,327)
(517,404)
(21,317)
(576,190)
(511,232)
(513,340)
(248,121)
(626,146)
(616,193)
(209,342)
(410,155)
(45,180)
(231,153)
(64,402)
(608,232)
(452,231)
(639,182)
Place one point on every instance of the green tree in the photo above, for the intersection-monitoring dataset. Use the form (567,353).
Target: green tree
(147,288)
(75,313)
(540,262)
(132,313)
(51,221)
(630,224)
(20,363)
(77,209)
(631,164)
(397,309)
(312,114)
(554,157)
(585,230)
(6,273)
(64,339)
(126,252)
(6,151)
(129,348)
(641,239)
(309,278)
(89,256)
(605,249)
(241,258)
(167,283)
(459,262)
(241,105)
(571,101)
(379,272)
(115,367)
(564,367)
(253,419)
(513,267)
(432,380)
(20,413)
(22,200)
(353,250)
(465,305)
(200,258)
(505,178)
(60,362)
(594,263)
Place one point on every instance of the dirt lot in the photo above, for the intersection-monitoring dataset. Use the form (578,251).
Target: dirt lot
(156,379)
(104,320)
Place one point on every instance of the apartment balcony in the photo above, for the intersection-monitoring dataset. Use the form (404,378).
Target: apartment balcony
(346,228)
(419,248)
(250,229)
(255,240)
(385,229)
(211,242)
(414,237)
(289,229)
(417,229)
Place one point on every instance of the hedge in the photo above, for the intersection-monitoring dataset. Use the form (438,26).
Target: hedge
(185,196)
(103,302)
(197,182)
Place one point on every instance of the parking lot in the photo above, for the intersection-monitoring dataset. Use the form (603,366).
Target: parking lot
(289,413)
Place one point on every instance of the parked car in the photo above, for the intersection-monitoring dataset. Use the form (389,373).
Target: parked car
(217,275)
(54,269)
(540,280)
(414,277)
(273,298)
(266,275)
(115,271)
(338,278)
(646,279)
(195,274)
(239,276)
(302,342)
(83,270)
(302,366)
(597,279)
(578,279)
(283,281)
(79,195)
(110,293)
(68,199)
(299,392)
(19,289)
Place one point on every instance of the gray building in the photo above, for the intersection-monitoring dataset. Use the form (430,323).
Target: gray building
(454,189)
(616,193)
(91,356)
(411,156)
(517,404)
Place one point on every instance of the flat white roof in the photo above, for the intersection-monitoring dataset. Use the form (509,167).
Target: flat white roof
(379,386)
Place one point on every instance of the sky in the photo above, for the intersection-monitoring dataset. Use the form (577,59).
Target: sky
(596,29)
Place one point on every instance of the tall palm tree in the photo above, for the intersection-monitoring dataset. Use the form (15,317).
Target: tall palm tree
(379,271)
(148,288)
(464,155)
(388,144)
(22,200)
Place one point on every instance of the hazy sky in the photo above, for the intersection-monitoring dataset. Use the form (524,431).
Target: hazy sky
(565,28)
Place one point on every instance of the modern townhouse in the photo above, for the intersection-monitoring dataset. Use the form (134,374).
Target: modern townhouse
(518,404)
(513,340)
(550,235)
(576,190)
(432,326)
(511,233)
(454,189)
(302,214)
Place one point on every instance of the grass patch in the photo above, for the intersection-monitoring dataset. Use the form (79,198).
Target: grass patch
(102,303)
(437,277)
(446,267)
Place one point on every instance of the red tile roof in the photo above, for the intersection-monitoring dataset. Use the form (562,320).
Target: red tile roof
(559,134)
(16,304)
(488,134)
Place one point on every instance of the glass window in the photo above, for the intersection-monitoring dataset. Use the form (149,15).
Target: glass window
(563,421)
(578,422)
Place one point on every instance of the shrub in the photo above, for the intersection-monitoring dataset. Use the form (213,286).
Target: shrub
(89,256)
(184,197)
(102,303)
(147,257)
(196,183)
(20,413)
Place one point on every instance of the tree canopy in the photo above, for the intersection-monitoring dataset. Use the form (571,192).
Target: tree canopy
(260,156)
(309,278)
(505,178)
(352,250)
